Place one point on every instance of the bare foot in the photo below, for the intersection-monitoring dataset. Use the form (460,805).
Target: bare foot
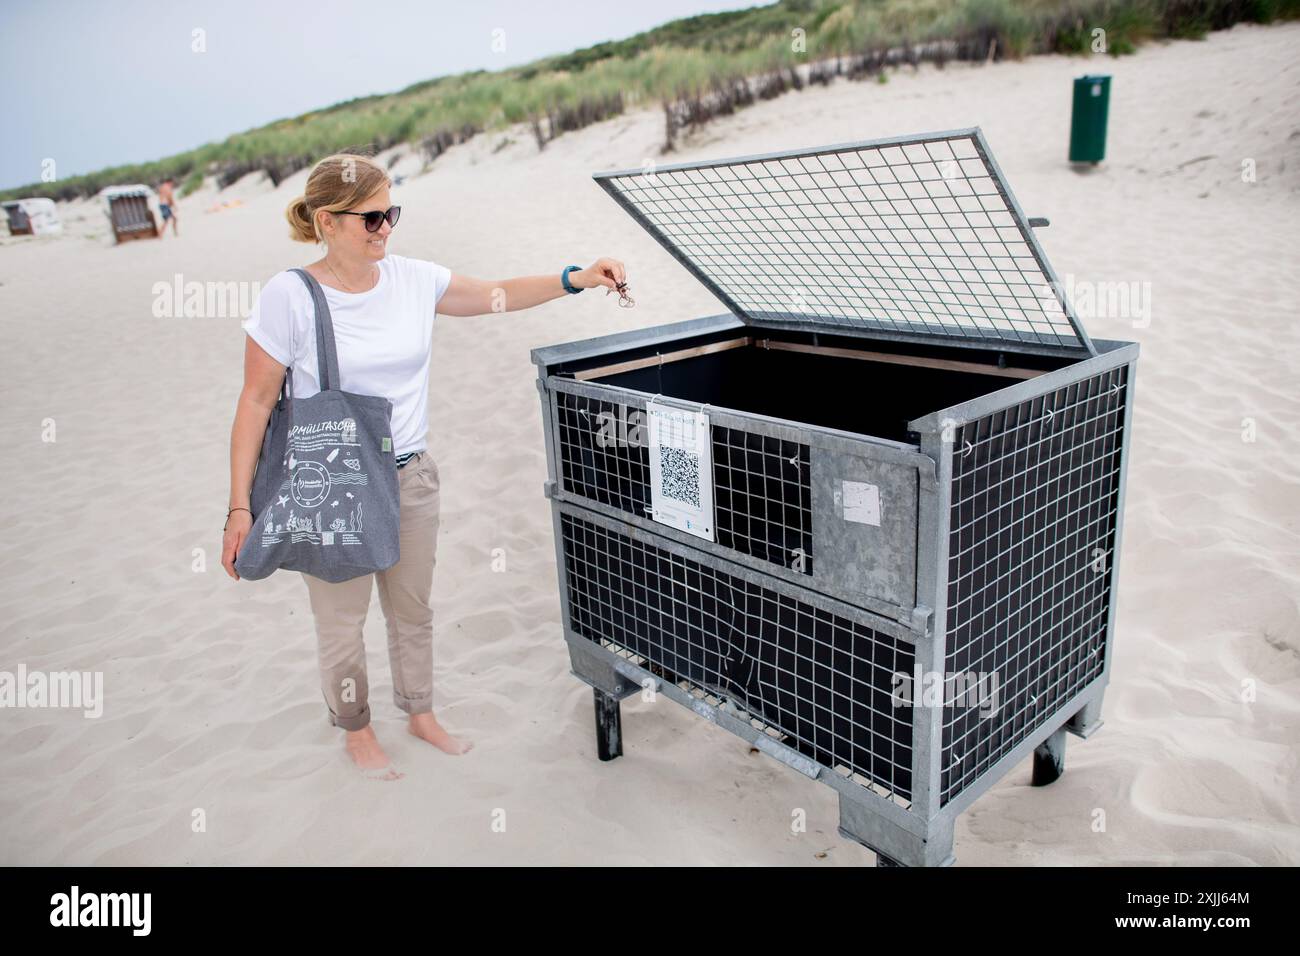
(426,727)
(363,747)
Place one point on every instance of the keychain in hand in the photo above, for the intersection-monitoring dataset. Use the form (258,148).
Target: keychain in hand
(624,300)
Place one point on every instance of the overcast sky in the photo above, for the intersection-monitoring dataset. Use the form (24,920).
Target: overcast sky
(93,83)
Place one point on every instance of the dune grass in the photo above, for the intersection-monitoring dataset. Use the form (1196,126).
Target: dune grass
(694,69)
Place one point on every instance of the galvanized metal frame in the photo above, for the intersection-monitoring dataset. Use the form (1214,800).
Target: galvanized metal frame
(1080,714)
(1031,238)
(932,592)
(920,833)
(597,665)
(879,449)
(1088,720)
(826,602)
(1033,499)
(609,181)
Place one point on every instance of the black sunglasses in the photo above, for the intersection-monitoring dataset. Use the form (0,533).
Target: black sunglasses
(375,217)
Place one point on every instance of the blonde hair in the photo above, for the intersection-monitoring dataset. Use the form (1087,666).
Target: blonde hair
(337,182)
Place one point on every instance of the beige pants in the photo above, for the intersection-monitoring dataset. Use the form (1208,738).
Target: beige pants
(340,611)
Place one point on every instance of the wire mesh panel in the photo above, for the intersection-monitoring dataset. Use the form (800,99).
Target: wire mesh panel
(916,236)
(762,484)
(763,497)
(1035,493)
(822,680)
(601,457)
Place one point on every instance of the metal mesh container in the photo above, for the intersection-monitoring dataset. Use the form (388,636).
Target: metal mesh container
(869,518)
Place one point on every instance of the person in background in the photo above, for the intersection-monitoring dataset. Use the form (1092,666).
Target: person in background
(167,206)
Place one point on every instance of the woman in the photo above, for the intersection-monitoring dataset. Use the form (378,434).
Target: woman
(383,307)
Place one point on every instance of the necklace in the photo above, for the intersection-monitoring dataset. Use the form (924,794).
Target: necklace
(340,280)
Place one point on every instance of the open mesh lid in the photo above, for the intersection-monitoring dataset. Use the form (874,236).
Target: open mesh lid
(917,237)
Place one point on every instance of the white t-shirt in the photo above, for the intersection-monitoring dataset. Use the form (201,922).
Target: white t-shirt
(383,338)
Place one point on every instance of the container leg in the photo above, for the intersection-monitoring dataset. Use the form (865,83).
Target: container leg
(893,845)
(1049,759)
(1086,721)
(609,726)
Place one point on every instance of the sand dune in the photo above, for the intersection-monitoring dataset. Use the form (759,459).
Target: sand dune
(211,685)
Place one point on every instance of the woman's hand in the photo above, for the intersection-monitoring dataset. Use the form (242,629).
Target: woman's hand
(604,271)
(237,527)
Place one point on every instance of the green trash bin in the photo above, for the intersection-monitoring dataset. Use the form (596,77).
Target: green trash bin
(1088,120)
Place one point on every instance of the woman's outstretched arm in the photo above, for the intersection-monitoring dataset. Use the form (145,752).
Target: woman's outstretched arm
(466,295)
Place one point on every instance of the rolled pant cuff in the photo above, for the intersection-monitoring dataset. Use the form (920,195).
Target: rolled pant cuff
(414,705)
(355,722)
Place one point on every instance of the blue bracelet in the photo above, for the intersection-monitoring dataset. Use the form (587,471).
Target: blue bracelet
(564,278)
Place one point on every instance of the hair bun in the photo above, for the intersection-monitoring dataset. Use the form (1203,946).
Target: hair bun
(301,228)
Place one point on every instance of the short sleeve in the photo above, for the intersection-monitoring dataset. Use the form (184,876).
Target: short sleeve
(270,323)
(441,279)
(429,280)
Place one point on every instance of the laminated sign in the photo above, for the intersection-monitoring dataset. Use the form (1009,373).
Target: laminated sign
(681,469)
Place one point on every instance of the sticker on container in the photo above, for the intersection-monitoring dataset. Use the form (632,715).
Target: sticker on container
(861,503)
(681,469)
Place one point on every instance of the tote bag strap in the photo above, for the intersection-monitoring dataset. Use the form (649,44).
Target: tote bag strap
(327,358)
(286,387)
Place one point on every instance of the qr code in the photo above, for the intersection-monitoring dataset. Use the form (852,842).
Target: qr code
(680,470)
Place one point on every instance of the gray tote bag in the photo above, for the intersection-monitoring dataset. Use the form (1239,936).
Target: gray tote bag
(325,494)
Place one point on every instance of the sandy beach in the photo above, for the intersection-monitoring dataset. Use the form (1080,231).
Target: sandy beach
(111,556)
